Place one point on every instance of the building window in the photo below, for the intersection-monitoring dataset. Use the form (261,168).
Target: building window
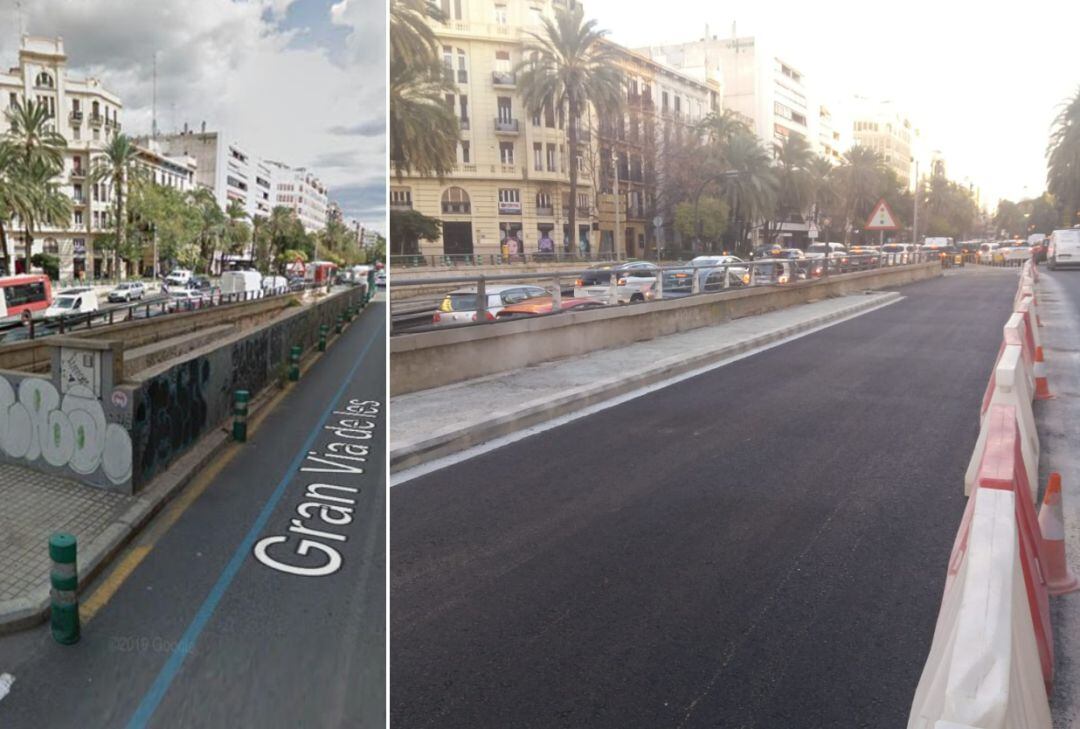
(464,111)
(455,201)
(543,203)
(538,156)
(551,158)
(465,153)
(664,101)
(500,14)
(44,80)
(401,197)
(506,109)
(509,201)
(506,152)
(462,65)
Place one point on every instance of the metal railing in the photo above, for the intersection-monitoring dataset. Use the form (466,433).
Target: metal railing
(457,260)
(35,328)
(615,286)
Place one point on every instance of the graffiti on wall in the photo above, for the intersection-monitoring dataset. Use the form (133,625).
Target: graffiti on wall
(171,414)
(37,424)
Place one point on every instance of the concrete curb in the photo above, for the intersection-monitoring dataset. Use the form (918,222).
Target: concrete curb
(26,612)
(457,439)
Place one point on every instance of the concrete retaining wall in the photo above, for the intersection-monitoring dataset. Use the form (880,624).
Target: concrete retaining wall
(432,359)
(174,403)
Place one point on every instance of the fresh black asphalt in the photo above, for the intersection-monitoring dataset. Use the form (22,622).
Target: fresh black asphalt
(275,649)
(763,545)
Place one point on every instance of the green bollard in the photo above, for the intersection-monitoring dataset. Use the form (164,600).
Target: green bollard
(340,324)
(64,613)
(240,413)
(323,331)
(294,363)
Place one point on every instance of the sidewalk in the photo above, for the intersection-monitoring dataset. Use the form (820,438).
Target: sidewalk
(1058,423)
(433,423)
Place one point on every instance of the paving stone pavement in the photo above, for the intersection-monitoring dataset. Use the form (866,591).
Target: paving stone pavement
(33,505)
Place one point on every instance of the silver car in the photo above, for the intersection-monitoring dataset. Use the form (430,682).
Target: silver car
(462,305)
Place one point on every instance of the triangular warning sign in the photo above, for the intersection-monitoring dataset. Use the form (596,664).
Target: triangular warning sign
(882,218)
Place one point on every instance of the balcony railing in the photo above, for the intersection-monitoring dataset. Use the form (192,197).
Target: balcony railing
(506,126)
(97,119)
(78,174)
(76,116)
(456,208)
(462,76)
(546,212)
(503,78)
(401,205)
(463,124)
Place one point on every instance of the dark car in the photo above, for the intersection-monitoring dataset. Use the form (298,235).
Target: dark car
(198,283)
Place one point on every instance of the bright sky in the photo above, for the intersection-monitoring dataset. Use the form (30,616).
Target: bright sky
(299,81)
(983,81)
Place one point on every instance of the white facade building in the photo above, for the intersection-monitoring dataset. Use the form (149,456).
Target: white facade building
(298,189)
(756,82)
(176,171)
(87,115)
(884,127)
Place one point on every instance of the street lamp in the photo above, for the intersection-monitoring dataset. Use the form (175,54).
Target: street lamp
(615,233)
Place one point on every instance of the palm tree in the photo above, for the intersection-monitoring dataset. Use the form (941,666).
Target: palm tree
(752,191)
(1063,159)
(117,167)
(11,197)
(213,224)
(822,188)
(719,127)
(412,40)
(859,179)
(793,159)
(35,156)
(569,66)
(423,130)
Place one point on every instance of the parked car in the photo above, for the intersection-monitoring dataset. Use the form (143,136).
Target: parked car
(633,280)
(73,301)
(199,283)
(1064,248)
(893,253)
(127,292)
(539,305)
(734,263)
(463,305)
(820,250)
(1016,252)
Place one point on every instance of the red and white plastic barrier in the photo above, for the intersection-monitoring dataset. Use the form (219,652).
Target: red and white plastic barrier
(991,663)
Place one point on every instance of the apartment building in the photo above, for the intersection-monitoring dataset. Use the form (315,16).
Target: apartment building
(178,172)
(300,190)
(757,82)
(884,127)
(87,115)
(511,184)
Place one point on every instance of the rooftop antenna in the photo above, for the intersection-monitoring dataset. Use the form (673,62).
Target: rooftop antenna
(153,122)
(20,24)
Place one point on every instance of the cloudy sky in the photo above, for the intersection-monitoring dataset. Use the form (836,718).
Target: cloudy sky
(300,81)
(982,80)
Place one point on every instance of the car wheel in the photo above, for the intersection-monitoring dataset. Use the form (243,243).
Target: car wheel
(637,299)
(1053,263)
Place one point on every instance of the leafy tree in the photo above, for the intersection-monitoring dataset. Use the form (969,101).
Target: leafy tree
(412,42)
(408,228)
(569,66)
(1063,160)
(1010,218)
(167,213)
(48,263)
(117,166)
(237,231)
(712,216)
(751,192)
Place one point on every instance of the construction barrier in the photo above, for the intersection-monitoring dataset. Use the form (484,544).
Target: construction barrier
(1010,387)
(991,662)
(983,670)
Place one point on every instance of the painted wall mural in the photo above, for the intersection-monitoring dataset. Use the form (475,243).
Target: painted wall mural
(37,424)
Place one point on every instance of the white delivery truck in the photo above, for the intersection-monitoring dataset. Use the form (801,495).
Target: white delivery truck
(1064,248)
(241,282)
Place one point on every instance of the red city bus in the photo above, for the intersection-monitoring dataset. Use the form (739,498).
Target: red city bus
(320,271)
(23,296)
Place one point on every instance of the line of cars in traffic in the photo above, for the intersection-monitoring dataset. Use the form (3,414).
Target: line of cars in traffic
(633,282)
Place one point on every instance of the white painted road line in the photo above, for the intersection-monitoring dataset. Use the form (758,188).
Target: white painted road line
(423,469)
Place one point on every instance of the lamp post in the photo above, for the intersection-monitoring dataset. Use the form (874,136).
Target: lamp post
(615,233)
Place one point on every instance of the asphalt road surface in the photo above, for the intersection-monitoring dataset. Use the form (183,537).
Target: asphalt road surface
(203,633)
(763,546)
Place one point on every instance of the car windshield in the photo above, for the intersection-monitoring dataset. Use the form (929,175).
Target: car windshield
(64,302)
(818,248)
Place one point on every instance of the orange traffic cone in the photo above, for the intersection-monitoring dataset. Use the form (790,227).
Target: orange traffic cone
(1042,389)
(1059,579)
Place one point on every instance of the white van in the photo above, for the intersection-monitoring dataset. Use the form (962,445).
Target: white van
(275,284)
(73,301)
(178,277)
(1064,248)
(239,282)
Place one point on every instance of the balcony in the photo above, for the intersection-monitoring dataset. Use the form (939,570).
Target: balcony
(462,76)
(456,208)
(547,212)
(503,79)
(76,117)
(406,205)
(463,124)
(96,120)
(506,126)
(78,174)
